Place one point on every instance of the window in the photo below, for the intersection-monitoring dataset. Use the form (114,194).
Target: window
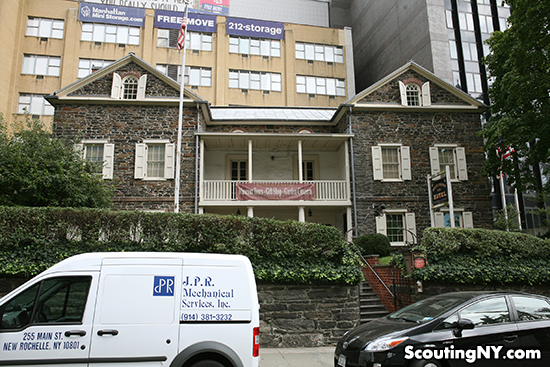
(110,33)
(322,86)
(530,308)
(61,300)
(413,95)
(255,80)
(195,40)
(88,66)
(398,225)
(254,46)
(46,28)
(391,162)
(313,52)
(462,219)
(41,65)
(239,170)
(487,312)
(443,155)
(155,160)
(194,76)
(101,153)
(129,87)
(34,104)
(310,167)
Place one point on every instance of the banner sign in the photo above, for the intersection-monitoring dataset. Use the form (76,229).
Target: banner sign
(197,22)
(215,6)
(255,28)
(96,13)
(439,191)
(275,191)
(173,5)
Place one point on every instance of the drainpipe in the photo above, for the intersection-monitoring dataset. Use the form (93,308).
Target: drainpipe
(197,153)
(352,165)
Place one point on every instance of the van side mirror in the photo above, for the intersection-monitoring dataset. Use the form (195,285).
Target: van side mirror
(462,324)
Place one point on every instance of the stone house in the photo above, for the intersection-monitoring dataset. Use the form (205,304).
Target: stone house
(334,166)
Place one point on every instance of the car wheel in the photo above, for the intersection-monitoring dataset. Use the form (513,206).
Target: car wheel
(207,363)
(424,363)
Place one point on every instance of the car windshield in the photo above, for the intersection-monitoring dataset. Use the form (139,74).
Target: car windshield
(427,309)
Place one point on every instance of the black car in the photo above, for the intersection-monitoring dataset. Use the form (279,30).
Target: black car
(455,329)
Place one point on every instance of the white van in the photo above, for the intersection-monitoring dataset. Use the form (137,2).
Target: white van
(135,309)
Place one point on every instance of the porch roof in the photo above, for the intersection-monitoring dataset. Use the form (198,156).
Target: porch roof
(277,115)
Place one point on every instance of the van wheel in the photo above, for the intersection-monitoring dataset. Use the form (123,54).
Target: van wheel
(424,363)
(207,363)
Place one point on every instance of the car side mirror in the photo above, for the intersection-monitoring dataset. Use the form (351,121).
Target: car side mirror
(462,324)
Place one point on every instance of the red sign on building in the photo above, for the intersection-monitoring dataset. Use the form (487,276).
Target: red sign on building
(275,191)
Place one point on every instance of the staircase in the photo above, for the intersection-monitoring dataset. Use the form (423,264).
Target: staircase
(370,305)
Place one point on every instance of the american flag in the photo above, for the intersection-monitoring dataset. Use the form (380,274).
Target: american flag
(181,37)
(506,153)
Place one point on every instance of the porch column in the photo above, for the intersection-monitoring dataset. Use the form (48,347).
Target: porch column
(301,214)
(300,171)
(249,160)
(250,212)
(349,224)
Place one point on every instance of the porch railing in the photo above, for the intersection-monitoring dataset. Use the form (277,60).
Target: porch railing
(223,190)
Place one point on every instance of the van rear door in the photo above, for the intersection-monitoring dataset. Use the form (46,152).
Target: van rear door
(136,318)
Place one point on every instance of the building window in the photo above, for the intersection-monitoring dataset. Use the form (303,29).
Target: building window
(41,65)
(194,76)
(154,160)
(128,88)
(391,162)
(255,80)
(413,95)
(34,104)
(462,219)
(254,46)
(239,171)
(321,86)
(310,167)
(88,66)
(109,33)
(313,52)
(398,225)
(100,152)
(450,155)
(168,38)
(43,27)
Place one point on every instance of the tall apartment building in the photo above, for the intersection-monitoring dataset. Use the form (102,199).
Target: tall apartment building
(229,60)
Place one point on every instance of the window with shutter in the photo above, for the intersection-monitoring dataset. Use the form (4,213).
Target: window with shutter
(452,156)
(391,162)
(154,160)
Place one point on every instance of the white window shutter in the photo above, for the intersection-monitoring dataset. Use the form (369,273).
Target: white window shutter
(79,148)
(410,225)
(169,160)
(461,163)
(142,83)
(116,87)
(403,93)
(381,224)
(406,163)
(467,220)
(108,158)
(439,219)
(377,163)
(140,163)
(426,97)
(434,160)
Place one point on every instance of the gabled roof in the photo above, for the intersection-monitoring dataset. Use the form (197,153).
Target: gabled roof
(64,94)
(468,103)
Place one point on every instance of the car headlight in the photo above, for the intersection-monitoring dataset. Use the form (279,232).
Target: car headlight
(379,345)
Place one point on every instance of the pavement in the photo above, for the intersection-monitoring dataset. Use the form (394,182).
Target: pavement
(297,357)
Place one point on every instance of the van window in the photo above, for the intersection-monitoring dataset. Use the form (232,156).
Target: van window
(54,300)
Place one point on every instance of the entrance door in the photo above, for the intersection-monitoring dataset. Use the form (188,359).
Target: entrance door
(136,320)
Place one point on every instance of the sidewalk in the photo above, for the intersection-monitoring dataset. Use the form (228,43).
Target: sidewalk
(297,357)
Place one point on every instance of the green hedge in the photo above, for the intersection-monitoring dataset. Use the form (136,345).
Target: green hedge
(33,239)
(479,256)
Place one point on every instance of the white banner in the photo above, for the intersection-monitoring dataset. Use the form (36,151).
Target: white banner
(172,5)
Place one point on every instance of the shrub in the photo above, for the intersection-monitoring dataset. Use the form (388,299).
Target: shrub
(371,244)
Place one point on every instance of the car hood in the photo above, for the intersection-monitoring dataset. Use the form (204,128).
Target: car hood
(358,338)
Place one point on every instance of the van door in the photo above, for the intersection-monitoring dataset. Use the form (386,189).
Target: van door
(49,322)
(136,318)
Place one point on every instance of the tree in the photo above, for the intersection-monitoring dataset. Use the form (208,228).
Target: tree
(519,64)
(39,170)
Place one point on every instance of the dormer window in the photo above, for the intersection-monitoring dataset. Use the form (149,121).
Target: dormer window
(128,87)
(413,95)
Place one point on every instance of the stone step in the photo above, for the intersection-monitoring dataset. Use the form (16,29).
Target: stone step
(370,305)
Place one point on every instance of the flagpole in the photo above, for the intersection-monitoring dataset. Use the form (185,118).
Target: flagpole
(180,120)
